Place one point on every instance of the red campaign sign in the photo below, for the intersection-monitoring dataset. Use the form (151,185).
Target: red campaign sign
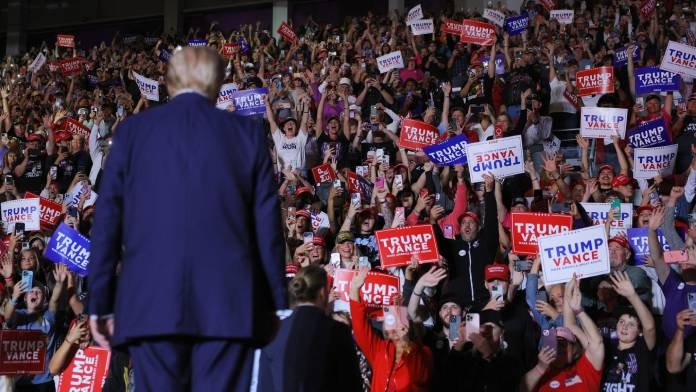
(479,33)
(526,227)
(287,32)
(593,81)
(353,183)
(23,352)
(65,40)
(323,173)
(452,27)
(417,134)
(378,290)
(397,246)
(572,98)
(86,372)
(71,66)
(229,48)
(548,4)
(647,8)
(498,130)
(75,127)
(50,211)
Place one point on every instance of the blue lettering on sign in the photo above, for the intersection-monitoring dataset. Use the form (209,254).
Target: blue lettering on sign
(573,248)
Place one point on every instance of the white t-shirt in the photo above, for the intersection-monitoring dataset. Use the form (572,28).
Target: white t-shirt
(290,150)
(558,102)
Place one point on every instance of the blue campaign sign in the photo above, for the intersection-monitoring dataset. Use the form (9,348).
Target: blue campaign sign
(450,152)
(638,240)
(621,56)
(69,247)
(650,134)
(653,79)
(197,42)
(515,25)
(249,102)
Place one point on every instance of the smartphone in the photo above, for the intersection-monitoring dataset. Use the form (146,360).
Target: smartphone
(454,322)
(675,256)
(364,262)
(641,102)
(497,293)
(542,295)
(28,279)
(522,266)
(335,260)
(379,183)
(355,199)
(423,192)
(548,338)
(560,208)
(53,172)
(373,111)
(616,205)
(362,171)
(394,316)
(398,181)
(25,245)
(692,301)
(473,324)
(19,228)
(449,231)
(337,184)
(308,237)
(399,211)
(379,154)
(9,180)
(119,111)
(385,162)
(476,109)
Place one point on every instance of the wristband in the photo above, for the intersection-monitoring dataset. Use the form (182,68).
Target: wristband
(416,294)
(8,279)
(13,301)
(539,371)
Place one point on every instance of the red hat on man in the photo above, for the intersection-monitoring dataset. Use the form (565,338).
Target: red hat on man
(621,241)
(497,271)
(303,213)
(471,215)
(620,180)
(606,167)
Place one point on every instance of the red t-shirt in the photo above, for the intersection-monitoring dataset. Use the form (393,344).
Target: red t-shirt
(580,377)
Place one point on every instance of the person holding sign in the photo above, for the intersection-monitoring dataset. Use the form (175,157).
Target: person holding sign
(212,250)
(652,108)
(397,361)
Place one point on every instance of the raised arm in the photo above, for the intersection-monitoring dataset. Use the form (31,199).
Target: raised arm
(586,331)
(623,286)
(654,223)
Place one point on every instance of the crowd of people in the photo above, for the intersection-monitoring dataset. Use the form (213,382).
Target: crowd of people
(327,103)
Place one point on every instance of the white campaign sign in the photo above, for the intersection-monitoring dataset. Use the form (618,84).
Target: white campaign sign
(563,17)
(583,252)
(390,61)
(149,88)
(600,123)
(225,96)
(422,26)
(38,62)
(679,58)
(651,161)
(599,213)
(27,211)
(502,157)
(416,13)
(494,16)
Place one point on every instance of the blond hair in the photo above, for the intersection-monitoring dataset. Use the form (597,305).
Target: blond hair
(198,68)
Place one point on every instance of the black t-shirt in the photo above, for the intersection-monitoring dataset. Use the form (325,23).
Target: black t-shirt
(324,142)
(684,141)
(517,81)
(68,168)
(627,370)
(34,177)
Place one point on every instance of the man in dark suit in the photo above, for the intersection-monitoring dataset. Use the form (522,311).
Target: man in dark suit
(189,209)
(312,352)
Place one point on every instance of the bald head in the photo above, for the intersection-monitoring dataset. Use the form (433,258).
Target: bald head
(197,68)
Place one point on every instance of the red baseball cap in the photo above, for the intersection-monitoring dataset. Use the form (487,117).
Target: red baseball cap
(644,208)
(606,167)
(33,137)
(497,271)
(303,213)
(621,241)
(471,215)
(318,240)
(620,180)
(301,190)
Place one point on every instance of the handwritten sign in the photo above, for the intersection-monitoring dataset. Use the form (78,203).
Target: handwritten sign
(583,252)
(27,211)
(649,134)
(450,152)
(414,14)
(249,102)
(593,81)
(87,370)
(149,88)
(422,26)
(69,247)
(600,123)
(50,211)
(679,58)
(599,213)
(390,61)
(65,40)
(378,290)
(527,227)
(476,32)
(225,96)
(515,25)
(23,352)
(649,162)
(397,246)
(286,31)
(495,16)
(417,134)
(502,157)
(653,79)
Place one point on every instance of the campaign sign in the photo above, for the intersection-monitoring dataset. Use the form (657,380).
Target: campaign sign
(390,61)
(286,31)
(515,25)
(87,370)
(653,79)
(583,252)
(422,26)
(197,42)
(72,197)
(75,127)
(600,123)
(414,14)
(476,32)
(495,16)
(323,173)
(452,27)
(397,246)
(229,48)
(679,58)
(417,134)
(149,88)
(564,17)
(621,56)
(599,213)
(38,62)
(593,81)
(638,240)
(357,184)
(502,157)
(50,211)
(249,102)
(649,134)
(27,211)
(53,66)
(450,152)
(69,247)
(647,7)
(353,183)
(23,352)
(378,290)
(71,66)
(527,227)
(224,98)
(65,40)
(649,162)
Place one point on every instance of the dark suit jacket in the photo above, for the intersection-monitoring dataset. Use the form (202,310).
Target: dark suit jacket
(311,352)
(189,204)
